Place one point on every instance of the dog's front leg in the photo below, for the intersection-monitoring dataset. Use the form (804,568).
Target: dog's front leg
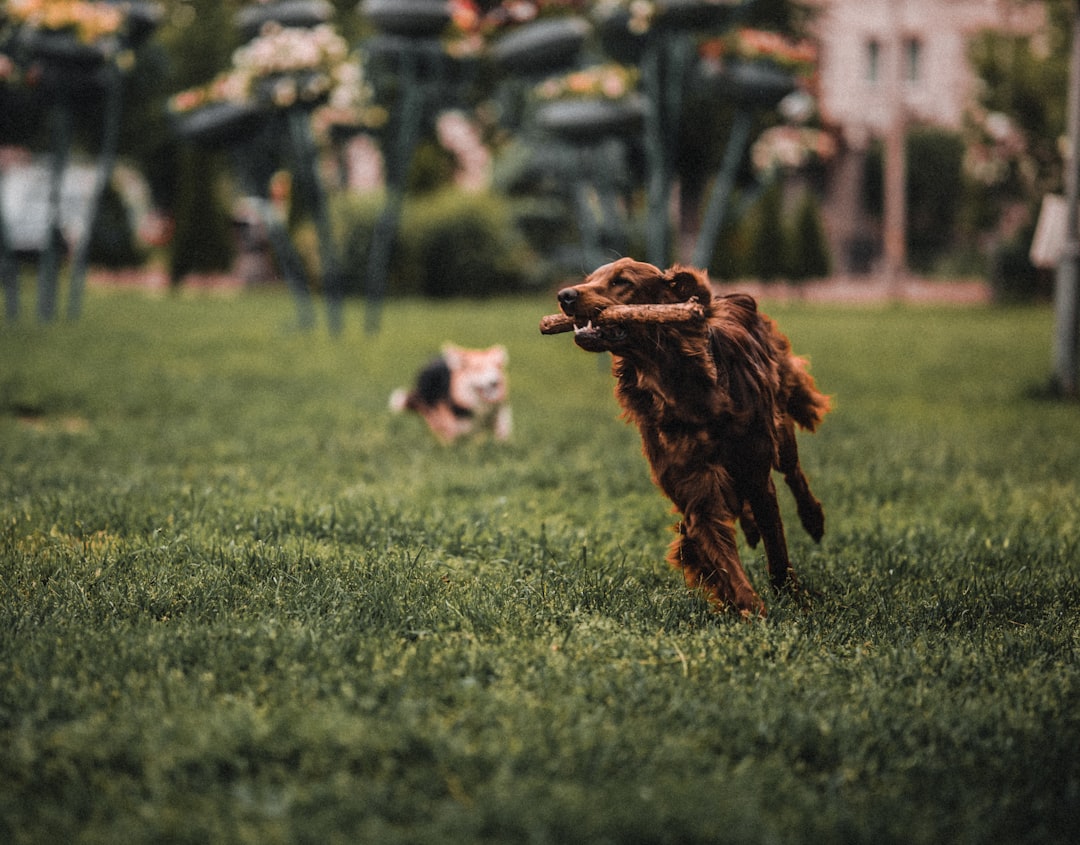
(504,423)
(706,549)
(707,553)
(443,423)
(710,562)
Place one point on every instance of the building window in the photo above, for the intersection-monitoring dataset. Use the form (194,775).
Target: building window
(873,60)
(913,50)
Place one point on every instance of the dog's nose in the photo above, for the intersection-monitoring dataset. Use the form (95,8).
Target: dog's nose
(567,298)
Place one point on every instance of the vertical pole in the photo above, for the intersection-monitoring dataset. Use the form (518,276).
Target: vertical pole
(49,269)
(585,200)
(106,163)
(9,268)
(1066,298)
(398,155)
(895,235)
(720,194)
(658,187)
(305,156)
(277,232)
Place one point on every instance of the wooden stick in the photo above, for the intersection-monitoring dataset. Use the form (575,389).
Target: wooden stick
(556,324)
(678,312)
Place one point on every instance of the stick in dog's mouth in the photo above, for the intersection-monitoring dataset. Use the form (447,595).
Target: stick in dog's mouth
(677,312)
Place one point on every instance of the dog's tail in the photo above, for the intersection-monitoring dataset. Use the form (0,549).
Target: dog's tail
(400,400)
(806,404)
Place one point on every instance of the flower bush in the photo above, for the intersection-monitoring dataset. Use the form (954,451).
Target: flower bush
(300,63)
(290,65)
(996,153)
(227,87)
(791,148)
(88,21)
(460,137)
(468,16)
(607,81)
(351,102)
(642,13)
(472,22)
(796,56)
(9,71)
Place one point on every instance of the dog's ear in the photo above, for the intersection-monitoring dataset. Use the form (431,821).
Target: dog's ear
(452,355)
(685,283)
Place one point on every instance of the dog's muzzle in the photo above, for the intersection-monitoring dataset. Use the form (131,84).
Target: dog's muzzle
(589,334)
(568,298)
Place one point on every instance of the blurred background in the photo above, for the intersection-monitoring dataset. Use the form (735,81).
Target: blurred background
(422,147)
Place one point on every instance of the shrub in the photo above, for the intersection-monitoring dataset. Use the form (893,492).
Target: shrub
(354,217)
(201,242)
(449,243)
(934,191)
(731,258)
(768,252)
(1012,275)
(112,238)
(808,247)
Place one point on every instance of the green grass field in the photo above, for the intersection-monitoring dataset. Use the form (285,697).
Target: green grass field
(241,602)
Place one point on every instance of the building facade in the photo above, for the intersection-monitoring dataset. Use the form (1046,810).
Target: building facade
(888,64)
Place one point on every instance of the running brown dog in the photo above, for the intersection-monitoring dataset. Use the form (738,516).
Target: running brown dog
(716,392)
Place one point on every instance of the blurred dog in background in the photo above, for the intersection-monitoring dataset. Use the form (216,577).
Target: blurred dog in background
(461,392)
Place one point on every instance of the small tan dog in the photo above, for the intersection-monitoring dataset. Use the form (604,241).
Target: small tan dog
(461,392)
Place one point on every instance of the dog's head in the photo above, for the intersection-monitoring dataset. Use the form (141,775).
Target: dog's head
(477,376)
(626,282)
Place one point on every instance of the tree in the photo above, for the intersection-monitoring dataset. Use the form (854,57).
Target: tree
(1028,81)
(769,249)
(809,247)
(1065,377)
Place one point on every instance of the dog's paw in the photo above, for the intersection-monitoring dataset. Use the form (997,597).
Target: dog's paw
(749,528)
(812,517)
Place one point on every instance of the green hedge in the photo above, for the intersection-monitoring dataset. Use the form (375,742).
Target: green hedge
(773,242)
(449,243)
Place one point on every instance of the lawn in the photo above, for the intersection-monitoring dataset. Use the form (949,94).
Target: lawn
(242,602)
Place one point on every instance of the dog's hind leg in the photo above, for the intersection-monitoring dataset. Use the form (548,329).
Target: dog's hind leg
(811,514)
(762,498)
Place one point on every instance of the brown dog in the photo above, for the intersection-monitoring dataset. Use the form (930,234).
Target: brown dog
(716,393)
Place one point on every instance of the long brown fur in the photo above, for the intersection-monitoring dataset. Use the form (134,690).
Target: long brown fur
(717,401)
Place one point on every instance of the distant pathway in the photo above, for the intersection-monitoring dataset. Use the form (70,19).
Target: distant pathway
(868,290)
(852,290)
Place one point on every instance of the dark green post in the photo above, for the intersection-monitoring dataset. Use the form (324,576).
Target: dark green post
(305,158)
(114,87)
(716,208)
(60,122)
(249,170)
(398,153)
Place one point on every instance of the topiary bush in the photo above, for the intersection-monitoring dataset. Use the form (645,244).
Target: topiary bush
(112,237)
(767,237)
(808,247)
(772,242)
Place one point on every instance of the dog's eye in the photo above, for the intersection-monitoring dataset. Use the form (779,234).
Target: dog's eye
(621,284)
